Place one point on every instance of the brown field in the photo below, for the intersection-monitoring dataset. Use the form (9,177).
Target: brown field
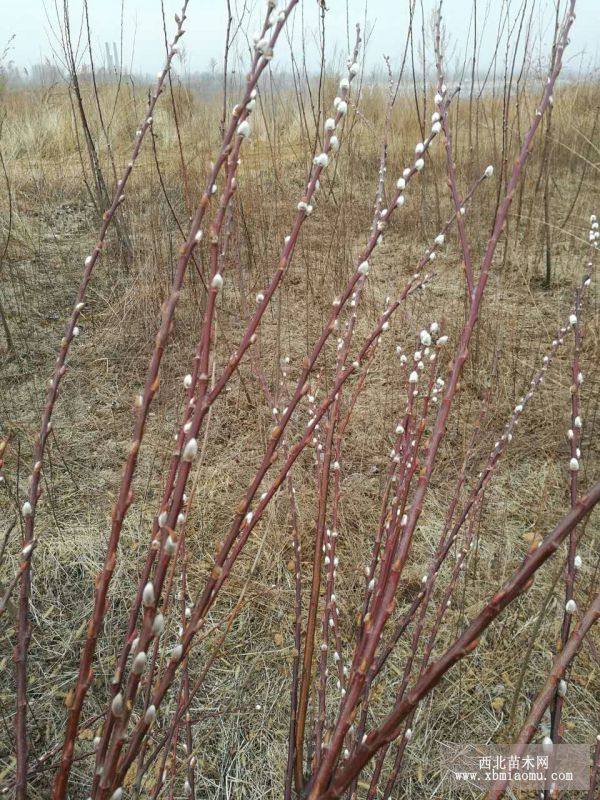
(241,713)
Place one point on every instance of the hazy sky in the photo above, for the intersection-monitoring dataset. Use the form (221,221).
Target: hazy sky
(29,22)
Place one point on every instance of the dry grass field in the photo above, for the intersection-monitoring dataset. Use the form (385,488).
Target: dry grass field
(239,718)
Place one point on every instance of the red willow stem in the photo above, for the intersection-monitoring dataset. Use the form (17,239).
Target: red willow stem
(338,427)
(313,608)
(224,565)
(333,449)
(370,570)
(29,509)
(365,652)
(433,571)
(190,782)
(575,442)
(118,678)
(297,562)
(215,582)
(409,467)
(201,366)
(193,427)
(173,514)
(117,685)
(450,532)
(329,611)
(450,165)
(341,426)
(171,748)
(191,390)
(250,336)
(125,496)
(155,662)
(545,696)
(521,580)
(444,602)
(184,707)
(294,684)
(393,776)
(200,358)
(330,608)
(441,551)
(313,605)
(330,616)
(442,607)
(324,460)
(418,628)
(595,771)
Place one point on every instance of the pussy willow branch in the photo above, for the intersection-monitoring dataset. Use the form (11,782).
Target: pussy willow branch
(249,336)
(190,782)
(370,571)
(224,564)
(23,627)
(272,403)
(192,428)
(441,610)
(118,677)
(442,607)
(448,537)
(335,432)
(450,165)
(184,707)
(412,454)
(323,485)
(384,217)
(384,604)
(570,572)
(294,683)
(498,449)
(440,554)
(330,608)
(155,661)
(520,581)
(125,495)
(323,475)
(451,531)
(545,696)
(201,409)
(175,460)
(595,772)
(405,455)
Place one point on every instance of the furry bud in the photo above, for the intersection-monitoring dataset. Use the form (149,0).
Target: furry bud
(190,451)
(148,598)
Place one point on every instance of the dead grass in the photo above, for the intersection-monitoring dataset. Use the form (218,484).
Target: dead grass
(241,750)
